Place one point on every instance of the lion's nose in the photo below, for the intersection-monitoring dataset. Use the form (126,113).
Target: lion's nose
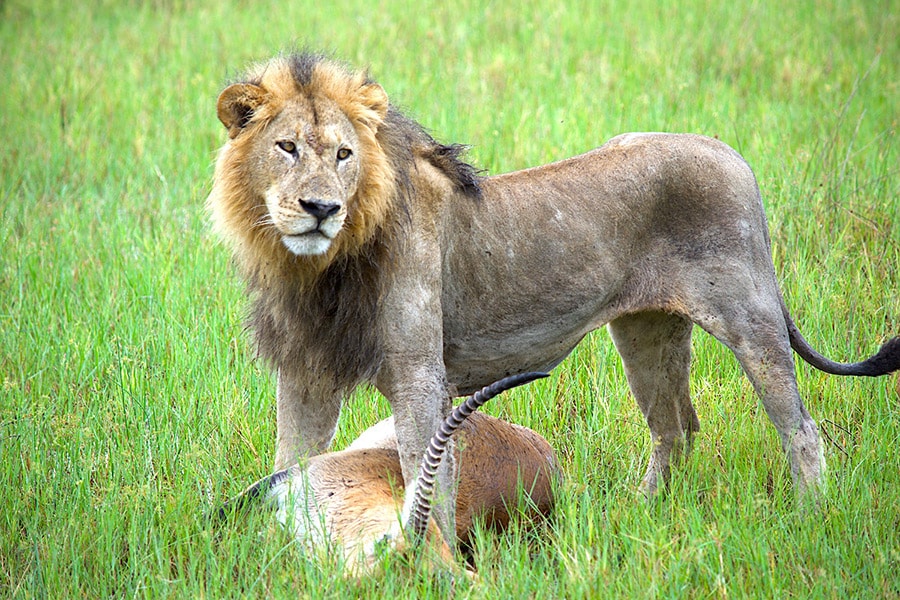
(320,209)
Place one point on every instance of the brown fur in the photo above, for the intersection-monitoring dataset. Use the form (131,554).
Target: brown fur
(495,458)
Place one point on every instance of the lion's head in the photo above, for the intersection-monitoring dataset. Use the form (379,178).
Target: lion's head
(303,173)
(315,164)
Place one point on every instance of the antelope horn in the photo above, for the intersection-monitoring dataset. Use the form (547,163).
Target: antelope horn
(420,510)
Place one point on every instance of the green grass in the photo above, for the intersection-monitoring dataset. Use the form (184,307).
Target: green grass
(130,403)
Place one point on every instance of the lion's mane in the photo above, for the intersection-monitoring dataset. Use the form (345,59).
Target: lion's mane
(317,312)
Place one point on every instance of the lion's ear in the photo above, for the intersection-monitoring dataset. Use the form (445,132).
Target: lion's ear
(374,98)
(237,104)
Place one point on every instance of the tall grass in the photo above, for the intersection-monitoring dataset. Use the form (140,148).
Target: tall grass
(130,402)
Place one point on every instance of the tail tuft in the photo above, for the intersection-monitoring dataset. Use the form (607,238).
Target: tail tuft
(886,360)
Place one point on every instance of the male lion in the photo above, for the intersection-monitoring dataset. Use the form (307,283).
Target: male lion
(374,254)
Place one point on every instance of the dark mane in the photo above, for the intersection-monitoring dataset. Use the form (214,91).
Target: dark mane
(326,328)
(401,135)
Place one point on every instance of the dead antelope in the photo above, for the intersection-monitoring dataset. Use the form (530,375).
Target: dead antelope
(352,499)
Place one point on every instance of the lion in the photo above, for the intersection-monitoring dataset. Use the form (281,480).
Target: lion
(375,254)
(350,501)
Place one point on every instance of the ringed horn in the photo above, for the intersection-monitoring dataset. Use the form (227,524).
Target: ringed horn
(420,511)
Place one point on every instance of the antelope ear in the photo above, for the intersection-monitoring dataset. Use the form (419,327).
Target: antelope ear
(237,104)
(375,99)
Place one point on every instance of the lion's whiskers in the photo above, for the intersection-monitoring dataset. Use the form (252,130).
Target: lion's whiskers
(264,221)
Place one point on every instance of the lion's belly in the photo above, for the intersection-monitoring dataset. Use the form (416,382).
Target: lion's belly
(476,360)
(471,373)
(511,306)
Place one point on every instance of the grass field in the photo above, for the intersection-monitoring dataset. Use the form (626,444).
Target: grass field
(130,403)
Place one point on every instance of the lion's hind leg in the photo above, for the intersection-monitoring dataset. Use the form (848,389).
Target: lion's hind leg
(656,352)
(753,327)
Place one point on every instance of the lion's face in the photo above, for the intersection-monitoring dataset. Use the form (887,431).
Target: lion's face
(307,170)
(303,173)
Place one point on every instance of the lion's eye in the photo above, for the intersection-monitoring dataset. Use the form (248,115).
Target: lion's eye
(287,146)
(344,153)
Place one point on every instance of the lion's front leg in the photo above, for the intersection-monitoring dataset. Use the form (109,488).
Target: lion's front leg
(412,375)
(308,410)
(420,400)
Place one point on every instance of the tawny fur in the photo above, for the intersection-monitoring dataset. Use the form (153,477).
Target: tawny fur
(428,281)
(352,498)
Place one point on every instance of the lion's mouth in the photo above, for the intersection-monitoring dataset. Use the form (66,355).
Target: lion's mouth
(312,242)
(305,237)
(312,233)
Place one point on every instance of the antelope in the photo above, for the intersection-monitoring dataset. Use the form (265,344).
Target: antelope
(353,499)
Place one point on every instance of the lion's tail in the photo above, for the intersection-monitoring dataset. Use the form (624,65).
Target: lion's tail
(419,512)
(886,360)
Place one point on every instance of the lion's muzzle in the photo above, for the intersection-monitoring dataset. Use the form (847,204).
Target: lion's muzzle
(326,224)
(307,226)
